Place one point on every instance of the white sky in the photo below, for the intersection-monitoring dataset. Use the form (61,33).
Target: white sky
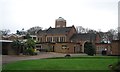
(93,14)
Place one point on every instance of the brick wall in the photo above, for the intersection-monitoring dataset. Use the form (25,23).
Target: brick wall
(71,48)
(115,47)
(100,47)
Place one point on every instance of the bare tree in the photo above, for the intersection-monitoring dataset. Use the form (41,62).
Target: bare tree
(80,29)
(34,30)
(4,31)
(113,33)
(21,32)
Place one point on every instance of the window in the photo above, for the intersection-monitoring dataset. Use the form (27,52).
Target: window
(34,38)
(49,39)
(55,39)
(62,39)
(40,39)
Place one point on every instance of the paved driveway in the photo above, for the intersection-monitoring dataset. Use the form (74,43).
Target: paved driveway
(11,58)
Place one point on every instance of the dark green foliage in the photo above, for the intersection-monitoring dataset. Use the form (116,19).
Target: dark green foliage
(30,45)
(89,48)
(29,51)
(17,45)
(26,48)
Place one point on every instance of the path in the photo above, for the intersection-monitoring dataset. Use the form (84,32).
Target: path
(11,58)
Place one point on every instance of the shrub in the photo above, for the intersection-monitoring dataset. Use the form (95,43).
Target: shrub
(29,44)
(29,51)
(89,48)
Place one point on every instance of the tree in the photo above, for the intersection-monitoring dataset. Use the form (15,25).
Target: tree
(21,32)
(91,31)
(4,31)
(17,46)
(34,30)
(80,29)
(24,47)
(30,43)
(30,46)
(113,33)
(89,48)
(18,32)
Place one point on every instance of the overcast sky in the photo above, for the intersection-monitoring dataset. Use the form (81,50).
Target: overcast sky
(93,14)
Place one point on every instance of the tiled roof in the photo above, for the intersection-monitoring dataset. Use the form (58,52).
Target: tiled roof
(84,36)
(58,30)
(40,32)
(61,30)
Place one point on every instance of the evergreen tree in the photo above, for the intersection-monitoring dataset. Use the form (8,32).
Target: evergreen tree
(89,48)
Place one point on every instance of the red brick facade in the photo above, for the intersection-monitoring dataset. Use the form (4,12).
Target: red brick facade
(103,47)
(115,47)
(65,39)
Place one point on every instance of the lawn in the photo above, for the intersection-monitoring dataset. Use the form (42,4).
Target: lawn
(73,63)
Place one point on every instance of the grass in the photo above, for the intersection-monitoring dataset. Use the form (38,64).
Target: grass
(61,63)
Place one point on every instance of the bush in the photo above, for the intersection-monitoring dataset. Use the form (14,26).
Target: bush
(89,49)
(29,51)
(29,44)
